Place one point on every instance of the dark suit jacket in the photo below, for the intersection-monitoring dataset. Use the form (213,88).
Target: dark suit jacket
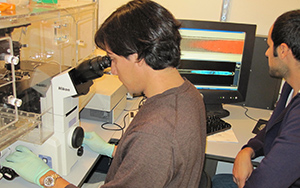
(279,142)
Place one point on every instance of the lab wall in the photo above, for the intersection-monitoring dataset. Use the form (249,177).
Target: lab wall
(260,12)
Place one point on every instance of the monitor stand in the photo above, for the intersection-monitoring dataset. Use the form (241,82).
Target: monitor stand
(216,110)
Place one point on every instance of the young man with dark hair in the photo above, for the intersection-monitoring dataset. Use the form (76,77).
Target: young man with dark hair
(164,146)
(279,141)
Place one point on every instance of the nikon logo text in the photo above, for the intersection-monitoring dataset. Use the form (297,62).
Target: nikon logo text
(63,89)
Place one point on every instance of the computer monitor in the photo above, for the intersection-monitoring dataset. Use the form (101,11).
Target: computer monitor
(216,57)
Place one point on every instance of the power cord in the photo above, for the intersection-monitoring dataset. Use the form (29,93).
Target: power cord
(246,110)
(120,128)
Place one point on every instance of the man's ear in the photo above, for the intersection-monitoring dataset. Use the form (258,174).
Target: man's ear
(140,62)
(283,50)
(134,58)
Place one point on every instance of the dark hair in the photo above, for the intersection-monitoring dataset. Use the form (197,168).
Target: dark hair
(286,30)
(143,27)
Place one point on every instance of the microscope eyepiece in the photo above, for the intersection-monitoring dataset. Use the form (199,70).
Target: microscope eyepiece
(88,70)
(92,68)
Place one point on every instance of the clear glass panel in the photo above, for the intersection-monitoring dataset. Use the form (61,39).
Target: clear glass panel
(47,39)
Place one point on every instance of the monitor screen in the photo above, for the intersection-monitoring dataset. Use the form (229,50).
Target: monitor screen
(216,57)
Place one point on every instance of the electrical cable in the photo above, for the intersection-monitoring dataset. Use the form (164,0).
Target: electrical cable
(120,128)
(246,110)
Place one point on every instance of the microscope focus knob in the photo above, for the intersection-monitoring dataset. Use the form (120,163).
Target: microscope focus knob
(80,151)
(77,137)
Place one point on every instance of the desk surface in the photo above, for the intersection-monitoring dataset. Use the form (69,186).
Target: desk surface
(241,125)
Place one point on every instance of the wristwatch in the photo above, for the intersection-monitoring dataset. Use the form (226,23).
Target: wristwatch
(49,181)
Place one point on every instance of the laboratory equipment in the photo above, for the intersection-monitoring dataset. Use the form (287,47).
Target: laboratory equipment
(62,150)
(39,95)
(108,102)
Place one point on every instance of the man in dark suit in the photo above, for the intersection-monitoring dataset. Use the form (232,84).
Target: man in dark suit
(279,141)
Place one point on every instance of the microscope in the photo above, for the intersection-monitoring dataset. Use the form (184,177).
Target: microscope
(40,90)
(63,148)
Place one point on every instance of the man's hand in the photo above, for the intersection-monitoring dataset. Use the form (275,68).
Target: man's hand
(26,164)
(242,167)
(97,144)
